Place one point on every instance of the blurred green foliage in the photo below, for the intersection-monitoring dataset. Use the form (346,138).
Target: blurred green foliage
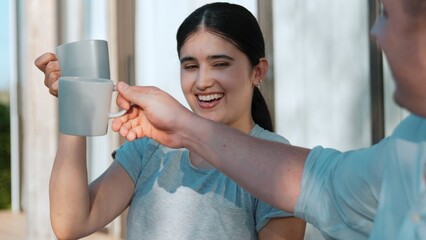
(5,188)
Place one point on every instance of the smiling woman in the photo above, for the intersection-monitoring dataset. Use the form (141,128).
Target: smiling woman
(174,193)
(222,63)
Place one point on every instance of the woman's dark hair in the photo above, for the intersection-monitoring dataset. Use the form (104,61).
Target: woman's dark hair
(237,25)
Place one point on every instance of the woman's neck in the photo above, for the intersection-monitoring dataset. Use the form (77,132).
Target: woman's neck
(199,162)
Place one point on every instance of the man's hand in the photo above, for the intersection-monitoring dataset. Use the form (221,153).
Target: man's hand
(151,113)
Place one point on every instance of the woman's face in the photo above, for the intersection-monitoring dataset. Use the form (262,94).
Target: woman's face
(217,80)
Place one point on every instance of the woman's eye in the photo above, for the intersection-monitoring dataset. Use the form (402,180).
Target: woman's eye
(221,64)
(189,66)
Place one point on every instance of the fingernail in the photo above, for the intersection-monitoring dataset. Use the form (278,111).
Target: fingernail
(124,85)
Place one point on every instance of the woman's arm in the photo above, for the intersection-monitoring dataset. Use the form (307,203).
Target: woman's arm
(77,209)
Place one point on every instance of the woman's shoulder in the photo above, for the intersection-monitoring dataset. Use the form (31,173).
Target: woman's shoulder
(262,133)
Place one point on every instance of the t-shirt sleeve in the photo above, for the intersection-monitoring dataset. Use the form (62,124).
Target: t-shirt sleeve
(340,191)
(265,212)
(130,156)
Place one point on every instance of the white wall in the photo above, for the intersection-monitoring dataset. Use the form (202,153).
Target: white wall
(322,72)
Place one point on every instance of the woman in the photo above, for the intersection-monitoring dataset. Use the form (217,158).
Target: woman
(174,193)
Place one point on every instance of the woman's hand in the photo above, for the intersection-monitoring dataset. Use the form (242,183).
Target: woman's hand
(48,64)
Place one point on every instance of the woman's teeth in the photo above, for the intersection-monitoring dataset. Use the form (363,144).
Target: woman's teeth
(207,98)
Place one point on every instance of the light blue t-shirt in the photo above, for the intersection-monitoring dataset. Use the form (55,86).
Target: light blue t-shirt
(175,200)
(371,193)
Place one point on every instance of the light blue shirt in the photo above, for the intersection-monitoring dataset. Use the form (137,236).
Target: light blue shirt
(371,193)
(175,200)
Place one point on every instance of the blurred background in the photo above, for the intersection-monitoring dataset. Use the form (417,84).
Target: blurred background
(328,83)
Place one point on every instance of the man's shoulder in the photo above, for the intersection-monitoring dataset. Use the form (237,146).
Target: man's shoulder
(412,128)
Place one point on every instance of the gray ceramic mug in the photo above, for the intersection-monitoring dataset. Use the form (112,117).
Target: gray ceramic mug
(84,105)
(86,58)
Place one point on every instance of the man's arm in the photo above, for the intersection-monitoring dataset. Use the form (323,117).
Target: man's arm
(271,171)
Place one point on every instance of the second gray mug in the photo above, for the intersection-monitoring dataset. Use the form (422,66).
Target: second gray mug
(85,58)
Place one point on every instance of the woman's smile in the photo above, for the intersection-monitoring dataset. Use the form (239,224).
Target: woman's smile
(209,100)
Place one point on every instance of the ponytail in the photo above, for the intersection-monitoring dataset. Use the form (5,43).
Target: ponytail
(260,112)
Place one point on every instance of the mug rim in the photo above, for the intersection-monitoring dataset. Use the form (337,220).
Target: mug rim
(84,79)
(81,41)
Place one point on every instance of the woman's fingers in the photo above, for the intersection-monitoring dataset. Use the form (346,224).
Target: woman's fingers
(48,64)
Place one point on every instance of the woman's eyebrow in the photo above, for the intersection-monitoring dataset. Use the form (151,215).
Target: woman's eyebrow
(186,59)
(210,57)
(220,56)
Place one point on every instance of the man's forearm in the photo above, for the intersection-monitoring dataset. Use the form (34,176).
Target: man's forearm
(271,171)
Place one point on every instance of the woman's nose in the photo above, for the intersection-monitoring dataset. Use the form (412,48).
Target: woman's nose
(204,79)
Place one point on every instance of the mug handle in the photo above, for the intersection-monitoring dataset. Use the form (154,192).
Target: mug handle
(119,113)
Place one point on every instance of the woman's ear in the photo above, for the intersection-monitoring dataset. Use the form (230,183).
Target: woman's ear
(260,71)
